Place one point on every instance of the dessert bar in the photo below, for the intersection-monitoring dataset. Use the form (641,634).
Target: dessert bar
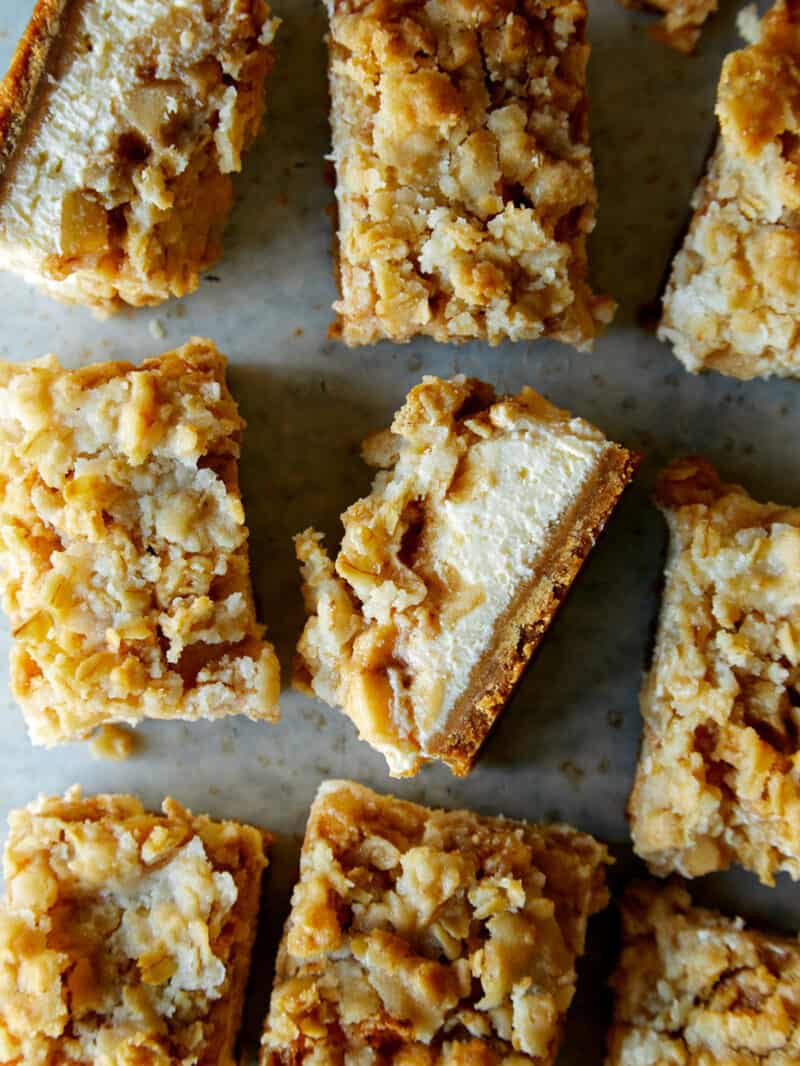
(125,937)
(120,125)
(123,545)
(451,570)
(422,937)
(733,301)
(464,177)
(694,987)
(717,778)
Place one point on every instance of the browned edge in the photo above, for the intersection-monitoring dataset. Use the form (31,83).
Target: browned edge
(520,631)
(225,1016)
(18,88)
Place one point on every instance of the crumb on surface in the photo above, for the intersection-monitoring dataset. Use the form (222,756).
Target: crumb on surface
(113,742)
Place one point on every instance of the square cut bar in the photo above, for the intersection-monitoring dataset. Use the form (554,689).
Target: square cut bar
(452,569)
(125,937)
(694,988)
(682,21)
(429,938)
(123,545)
(465,183)
(717,780)
(733,301)
(119,127)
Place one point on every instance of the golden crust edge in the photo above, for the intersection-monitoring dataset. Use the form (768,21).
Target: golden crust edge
(28,64)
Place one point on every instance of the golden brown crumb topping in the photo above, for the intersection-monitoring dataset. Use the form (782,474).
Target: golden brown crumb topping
(464,176)
(695,987)
(429,937)
(759,92)
(718,774)
(120,931)
(733,302)
(123,545)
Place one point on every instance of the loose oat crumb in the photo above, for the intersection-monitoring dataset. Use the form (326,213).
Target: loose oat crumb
(156,328)
(113,742)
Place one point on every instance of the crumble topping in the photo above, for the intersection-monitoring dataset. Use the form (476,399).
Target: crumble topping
(718,773)
(693,986)
(429,937)
(123,545)
(470,492)
(465,182)
(119,931)
(733,303)
(120,189)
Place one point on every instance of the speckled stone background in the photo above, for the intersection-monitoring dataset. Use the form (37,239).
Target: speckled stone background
(566,747)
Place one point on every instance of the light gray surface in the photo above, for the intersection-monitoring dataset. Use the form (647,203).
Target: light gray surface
(566,747)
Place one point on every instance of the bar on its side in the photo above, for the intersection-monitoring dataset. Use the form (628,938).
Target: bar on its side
(119,128)
(693,986)
(125,936)
(465,183)
(452,569)
(733,301)
(123,546)
(717,777)
(429,937)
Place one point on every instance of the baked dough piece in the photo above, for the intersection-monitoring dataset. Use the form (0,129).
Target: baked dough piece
(682,23)
(452,569)
(119,127)
(694,988)
(125,936)
(429,938)
(123,545)
(733,301)
(465,182)
(718,773)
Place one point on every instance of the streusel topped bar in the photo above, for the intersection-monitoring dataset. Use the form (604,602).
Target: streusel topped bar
(465,183)
(733,302)
(452,569)
(717,780)
(429,938)
(123,545)
(694,988)
(125,937)
(120,125)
